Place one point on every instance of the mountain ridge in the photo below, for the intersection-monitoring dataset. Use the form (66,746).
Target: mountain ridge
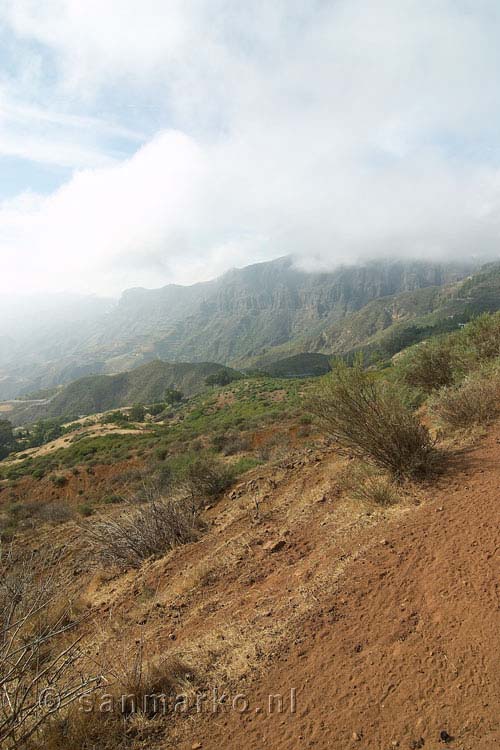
(245,317)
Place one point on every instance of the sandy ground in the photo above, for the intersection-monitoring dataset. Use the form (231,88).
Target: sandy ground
(65,440)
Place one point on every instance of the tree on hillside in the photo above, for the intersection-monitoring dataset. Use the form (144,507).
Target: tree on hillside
(44,431)
(221,377)
(173,396)
(7,439)
(137,413)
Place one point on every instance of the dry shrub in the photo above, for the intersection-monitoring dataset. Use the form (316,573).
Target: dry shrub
(376,489)
(474,402)
(129,710)
(230,443)
(428,366)
(138,684)
(56,512)
(149,532)
(371,420)
(37,651)
(201,476)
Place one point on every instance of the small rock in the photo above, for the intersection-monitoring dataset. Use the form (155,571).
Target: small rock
(417,744)
(196,746)
(274,545)
(445,737)
(357,736)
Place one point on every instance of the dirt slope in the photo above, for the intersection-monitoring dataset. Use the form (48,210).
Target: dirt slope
(400,645)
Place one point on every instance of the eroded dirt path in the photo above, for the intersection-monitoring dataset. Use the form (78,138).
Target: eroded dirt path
(404,646)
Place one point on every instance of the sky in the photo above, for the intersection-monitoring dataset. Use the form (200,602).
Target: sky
(144,142)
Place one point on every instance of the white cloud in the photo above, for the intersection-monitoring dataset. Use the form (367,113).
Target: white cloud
(331,130)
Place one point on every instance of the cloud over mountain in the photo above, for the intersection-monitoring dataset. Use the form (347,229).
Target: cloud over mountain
(330,130)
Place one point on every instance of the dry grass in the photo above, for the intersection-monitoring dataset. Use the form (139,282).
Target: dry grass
(474,402)
(151,531)
(133,706)
(376,489)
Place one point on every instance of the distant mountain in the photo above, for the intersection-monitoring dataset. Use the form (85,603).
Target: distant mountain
(389,324)
(247,317)
(98,393)
(249,310)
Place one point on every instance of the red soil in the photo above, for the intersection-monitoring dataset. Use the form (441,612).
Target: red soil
(406,646)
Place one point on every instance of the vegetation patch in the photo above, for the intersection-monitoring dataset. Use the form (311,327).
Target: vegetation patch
(371,420)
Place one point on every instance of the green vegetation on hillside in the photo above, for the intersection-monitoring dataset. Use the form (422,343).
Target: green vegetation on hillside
(155,382)
(387,326)
(7,440)
(299,366)
(244,406)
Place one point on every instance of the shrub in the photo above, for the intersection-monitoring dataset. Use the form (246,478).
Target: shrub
(475,401)
(137,413)
(230,443)
(112,499)
(376,489)
(222,377)
(152,531)
(59,480)
(114,417)
(55,513)
(156,409)
(427,366)
(137,689)
(246,463)
(481,337)
(198,475)
(35,654)
(371,420)
(173,396)
(7,439)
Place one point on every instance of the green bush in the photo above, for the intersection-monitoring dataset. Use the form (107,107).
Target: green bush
(222,377)
(371,420)
(7,439)
(137,413)
(481,338)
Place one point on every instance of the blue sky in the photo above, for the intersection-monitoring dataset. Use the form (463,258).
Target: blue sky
(143,142)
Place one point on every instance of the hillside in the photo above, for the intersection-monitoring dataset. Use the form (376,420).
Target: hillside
(389,324)
(390,617)
(382,619)
(245,318)
(299,366)
(97,393)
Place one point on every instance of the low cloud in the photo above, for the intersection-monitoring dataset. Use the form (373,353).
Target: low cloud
(331,131)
